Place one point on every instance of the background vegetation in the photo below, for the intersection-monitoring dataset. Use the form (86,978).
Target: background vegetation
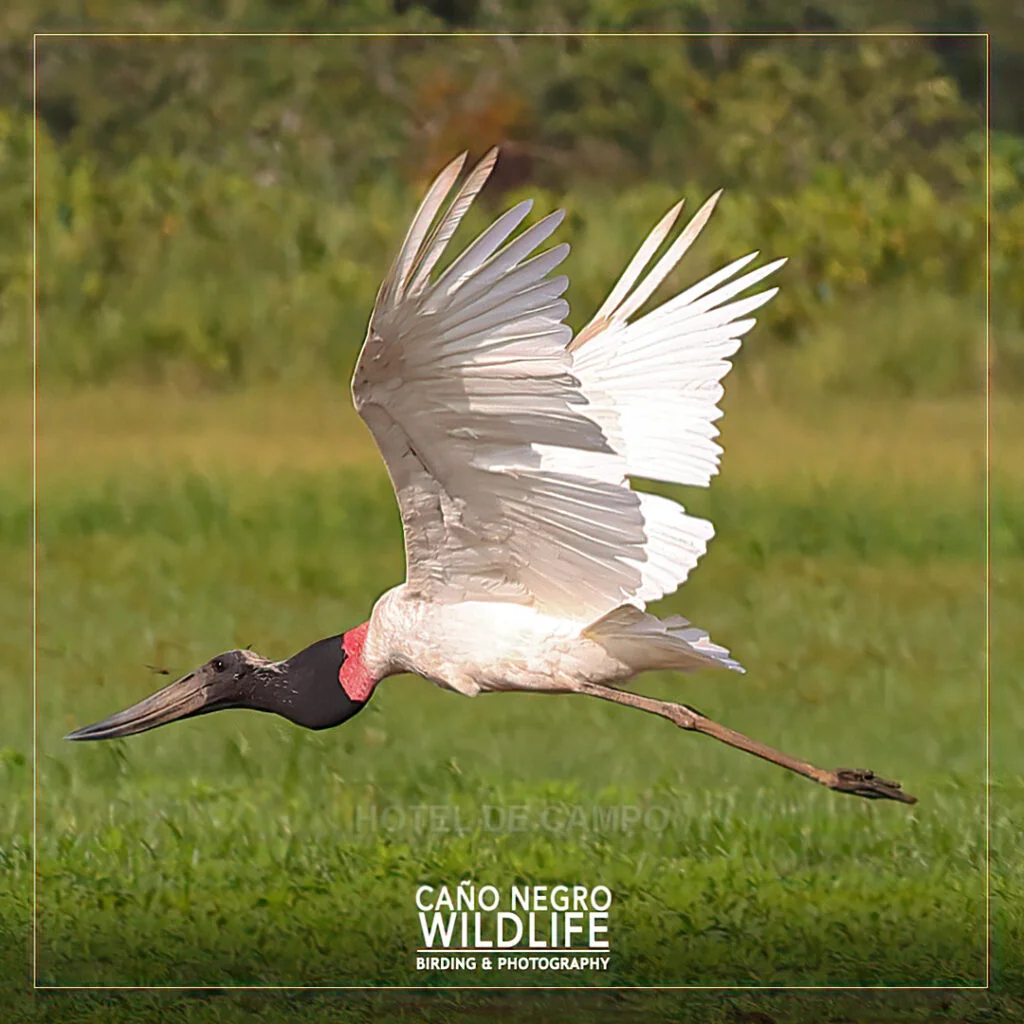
(230,850)
(214,217)
(221,210)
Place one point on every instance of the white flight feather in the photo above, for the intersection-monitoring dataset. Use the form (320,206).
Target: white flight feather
(510,449)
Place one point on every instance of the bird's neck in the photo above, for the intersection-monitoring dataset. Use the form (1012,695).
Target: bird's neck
(356,679)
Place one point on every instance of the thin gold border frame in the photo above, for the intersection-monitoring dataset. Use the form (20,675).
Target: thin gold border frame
(517,988)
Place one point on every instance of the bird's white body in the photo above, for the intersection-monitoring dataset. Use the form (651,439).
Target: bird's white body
(484,647)
(474,646)
(511,446)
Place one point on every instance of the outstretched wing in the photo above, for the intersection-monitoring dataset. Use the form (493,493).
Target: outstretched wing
(508,490)
(511,475)
(654,384)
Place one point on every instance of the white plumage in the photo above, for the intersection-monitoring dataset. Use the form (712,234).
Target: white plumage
(510,445)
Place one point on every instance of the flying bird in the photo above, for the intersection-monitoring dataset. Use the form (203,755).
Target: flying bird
(512,446)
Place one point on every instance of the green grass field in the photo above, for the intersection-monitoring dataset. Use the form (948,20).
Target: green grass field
(847,576)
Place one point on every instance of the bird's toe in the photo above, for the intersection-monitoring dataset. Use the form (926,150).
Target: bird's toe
(861,782)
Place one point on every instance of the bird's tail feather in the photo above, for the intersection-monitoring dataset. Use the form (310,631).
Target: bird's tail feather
(646,642)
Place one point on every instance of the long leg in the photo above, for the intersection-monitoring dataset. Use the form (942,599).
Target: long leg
(859,782)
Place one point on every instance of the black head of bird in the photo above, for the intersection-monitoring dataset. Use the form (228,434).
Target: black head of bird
(311,689)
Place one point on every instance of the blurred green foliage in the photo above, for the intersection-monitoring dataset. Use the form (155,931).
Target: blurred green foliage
(220,210)
(239,849)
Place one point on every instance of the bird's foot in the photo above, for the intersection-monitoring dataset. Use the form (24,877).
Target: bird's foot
(861,782)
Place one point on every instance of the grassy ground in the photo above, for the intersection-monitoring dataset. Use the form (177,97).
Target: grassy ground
(847,576)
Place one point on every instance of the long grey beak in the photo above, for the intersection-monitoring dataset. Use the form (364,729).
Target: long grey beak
(180,699)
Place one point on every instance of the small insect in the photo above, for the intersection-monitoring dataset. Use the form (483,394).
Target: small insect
(512,446)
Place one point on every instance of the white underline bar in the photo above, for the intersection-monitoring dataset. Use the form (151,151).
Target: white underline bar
(515,949)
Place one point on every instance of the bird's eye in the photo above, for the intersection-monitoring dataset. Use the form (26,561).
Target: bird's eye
(218,665)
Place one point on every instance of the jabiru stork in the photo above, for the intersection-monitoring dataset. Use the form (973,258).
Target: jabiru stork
(511,446)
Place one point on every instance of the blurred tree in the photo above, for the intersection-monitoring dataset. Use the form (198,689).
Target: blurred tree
(180,171)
